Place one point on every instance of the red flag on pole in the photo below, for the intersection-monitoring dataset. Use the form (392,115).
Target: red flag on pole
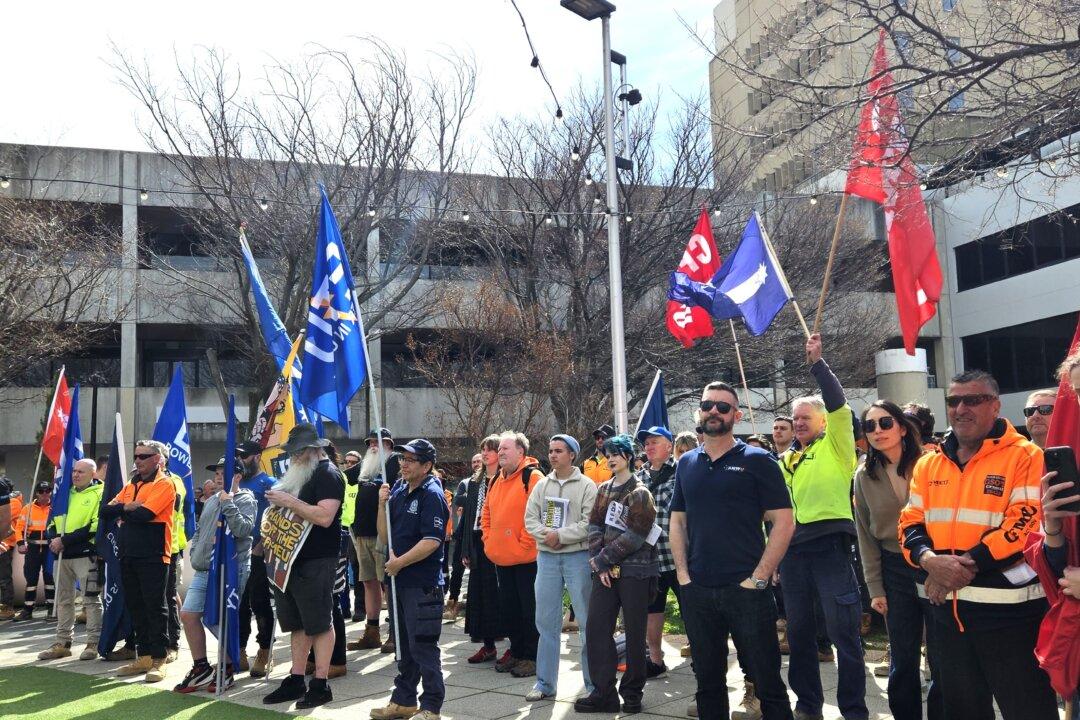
(55,427)
(700,261)
(881,170)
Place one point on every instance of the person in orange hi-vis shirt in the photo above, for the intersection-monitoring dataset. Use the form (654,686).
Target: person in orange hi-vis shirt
(7,549)
(147,509)
(969,512)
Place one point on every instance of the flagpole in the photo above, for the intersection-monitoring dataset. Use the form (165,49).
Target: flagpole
(829,264)
(742,373)
(783,277)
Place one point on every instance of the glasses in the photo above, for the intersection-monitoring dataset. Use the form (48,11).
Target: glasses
(954,401)
(885,423)
(407,459)
(245,455)
(45,492)
(722,407)
(1041,409)
(145,456)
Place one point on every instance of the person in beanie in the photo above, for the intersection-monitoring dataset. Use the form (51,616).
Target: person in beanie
(596,467)
(557,516)
(622,555)
(239,508)
(313,489)
(417,536)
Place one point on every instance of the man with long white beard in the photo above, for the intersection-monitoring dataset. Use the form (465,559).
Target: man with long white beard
(368,475)
(313,489)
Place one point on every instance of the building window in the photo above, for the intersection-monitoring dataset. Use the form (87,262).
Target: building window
(1017,250)
(1022,357)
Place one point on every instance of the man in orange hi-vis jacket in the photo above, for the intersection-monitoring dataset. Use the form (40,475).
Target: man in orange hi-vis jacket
(970,510)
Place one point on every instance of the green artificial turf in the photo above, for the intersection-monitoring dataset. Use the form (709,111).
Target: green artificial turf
(36,693)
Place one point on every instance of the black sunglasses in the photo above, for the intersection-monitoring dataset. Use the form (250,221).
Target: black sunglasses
(47,491)
(145,456)
(1041,409)
(886,423)
(246,454)
(954,401)
(722,407)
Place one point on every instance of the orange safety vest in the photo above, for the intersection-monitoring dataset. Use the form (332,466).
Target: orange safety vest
(16,520)
(35,520)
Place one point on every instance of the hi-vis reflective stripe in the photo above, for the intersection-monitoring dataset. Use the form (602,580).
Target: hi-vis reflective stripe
(983,518)
(915,501)
(1025,492)
(994,596)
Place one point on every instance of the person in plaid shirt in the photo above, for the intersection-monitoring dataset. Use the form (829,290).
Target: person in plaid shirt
(659,477)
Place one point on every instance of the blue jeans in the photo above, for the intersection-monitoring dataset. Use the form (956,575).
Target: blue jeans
(554,571)
(420,625)
(905,620)
(824,564)
(750,617)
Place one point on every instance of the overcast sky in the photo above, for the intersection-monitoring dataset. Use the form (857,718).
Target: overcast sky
(57,87)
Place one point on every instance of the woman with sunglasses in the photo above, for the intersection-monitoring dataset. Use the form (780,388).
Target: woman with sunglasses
(625,573)
(882,485)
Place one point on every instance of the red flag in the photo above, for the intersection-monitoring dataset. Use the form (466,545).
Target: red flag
(1057,647)
(882,171)
(700,261)
(55,427)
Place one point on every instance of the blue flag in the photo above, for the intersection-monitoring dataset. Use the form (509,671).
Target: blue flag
(115,623)
(172,430)
(654,411)
(273,330)
(223,576)
(71,451)
(750,285)
(335,357)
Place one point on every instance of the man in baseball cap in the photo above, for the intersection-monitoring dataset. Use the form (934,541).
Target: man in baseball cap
(596,467)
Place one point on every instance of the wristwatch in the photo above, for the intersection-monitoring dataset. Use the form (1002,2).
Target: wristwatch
(759,584)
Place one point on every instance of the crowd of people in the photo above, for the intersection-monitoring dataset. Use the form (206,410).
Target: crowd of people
(780,543)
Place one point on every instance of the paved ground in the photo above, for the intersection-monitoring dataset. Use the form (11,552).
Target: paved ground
(472,692)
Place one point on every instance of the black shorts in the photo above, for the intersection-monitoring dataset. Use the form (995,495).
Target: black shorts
(308,600)
(666,581)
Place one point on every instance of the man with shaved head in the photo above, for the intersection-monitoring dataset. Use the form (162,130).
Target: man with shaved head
(72,536)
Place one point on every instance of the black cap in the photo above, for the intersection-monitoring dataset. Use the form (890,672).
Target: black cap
(421,448)
(380,431)
(249,447)
(604,431)
(42,485)
(219,463)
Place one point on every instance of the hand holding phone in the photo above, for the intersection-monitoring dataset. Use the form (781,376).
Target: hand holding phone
(1061,497)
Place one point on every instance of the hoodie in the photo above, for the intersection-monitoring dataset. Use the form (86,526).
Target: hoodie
(580,493)
(239,513)
(506,542)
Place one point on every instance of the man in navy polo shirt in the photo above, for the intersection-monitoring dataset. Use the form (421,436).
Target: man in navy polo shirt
(724,490)
(418,517)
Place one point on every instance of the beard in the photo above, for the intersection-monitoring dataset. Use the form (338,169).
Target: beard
(300,471)
(370,466)
(715,426)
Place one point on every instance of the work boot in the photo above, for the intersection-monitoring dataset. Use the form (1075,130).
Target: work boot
(781,637)
(138,667)
(523,669)
(368,641)
(751,705)
(6,612)
(336,671)
(89,653)
(388,647)
(598,704)
(264,662)
(156,673)
(27,613)
(393,711)
(451,611)
(318,693)
(293,687)
(56,651)
(125,653)
(245,664)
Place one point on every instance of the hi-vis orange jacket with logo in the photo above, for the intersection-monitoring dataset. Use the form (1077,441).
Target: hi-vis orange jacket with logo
(985,509)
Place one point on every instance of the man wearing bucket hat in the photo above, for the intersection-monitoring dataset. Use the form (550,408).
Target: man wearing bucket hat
(596,467)
(417,534)
(313,489)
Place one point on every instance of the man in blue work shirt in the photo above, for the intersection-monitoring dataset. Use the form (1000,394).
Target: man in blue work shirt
(256,600)
(418,517)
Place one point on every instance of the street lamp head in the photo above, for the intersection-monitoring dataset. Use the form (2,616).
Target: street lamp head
(633,96)
(588,9)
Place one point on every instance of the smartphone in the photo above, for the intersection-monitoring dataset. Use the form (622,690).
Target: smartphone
(1062,461)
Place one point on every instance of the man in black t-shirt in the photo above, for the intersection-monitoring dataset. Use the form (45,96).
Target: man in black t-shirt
(313,489)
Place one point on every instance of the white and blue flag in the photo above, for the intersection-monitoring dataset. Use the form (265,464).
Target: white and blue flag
(172,430)
(750,285)
(335,356)
(70,452)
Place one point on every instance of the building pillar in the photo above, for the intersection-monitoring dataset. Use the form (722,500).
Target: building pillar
(901,377)
(129,268)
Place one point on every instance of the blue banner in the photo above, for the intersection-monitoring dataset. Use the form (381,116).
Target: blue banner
(71,451)
(335,355)
(654,412)
(115,623)
(172,430)
(223,581)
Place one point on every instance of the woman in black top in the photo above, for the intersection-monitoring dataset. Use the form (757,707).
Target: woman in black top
(482,615)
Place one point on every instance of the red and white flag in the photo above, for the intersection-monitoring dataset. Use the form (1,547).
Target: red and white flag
(700,261)
(52,442)
(881,170)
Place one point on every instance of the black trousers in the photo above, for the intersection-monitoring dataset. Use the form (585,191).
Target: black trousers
(7,584)
(144,597)
(457,571)
(173,601)
(256,601)
(35,564)
(633,596)
(517,600)
(978,666)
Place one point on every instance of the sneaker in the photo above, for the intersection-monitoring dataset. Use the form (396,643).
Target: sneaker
(393,711)
(124,653)
(427,715)
(483,655)
(631,707)
(597,704)
(535,695)
(56,651)
(89,653)
(264,662)
(751,705)
(315,696)
(230,680)
(293,687)
(139,666)
(523,669)
(505,663)
(198,676)
(655,670)
(156,673)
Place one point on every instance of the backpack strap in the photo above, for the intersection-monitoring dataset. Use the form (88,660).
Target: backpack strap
(526,474)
